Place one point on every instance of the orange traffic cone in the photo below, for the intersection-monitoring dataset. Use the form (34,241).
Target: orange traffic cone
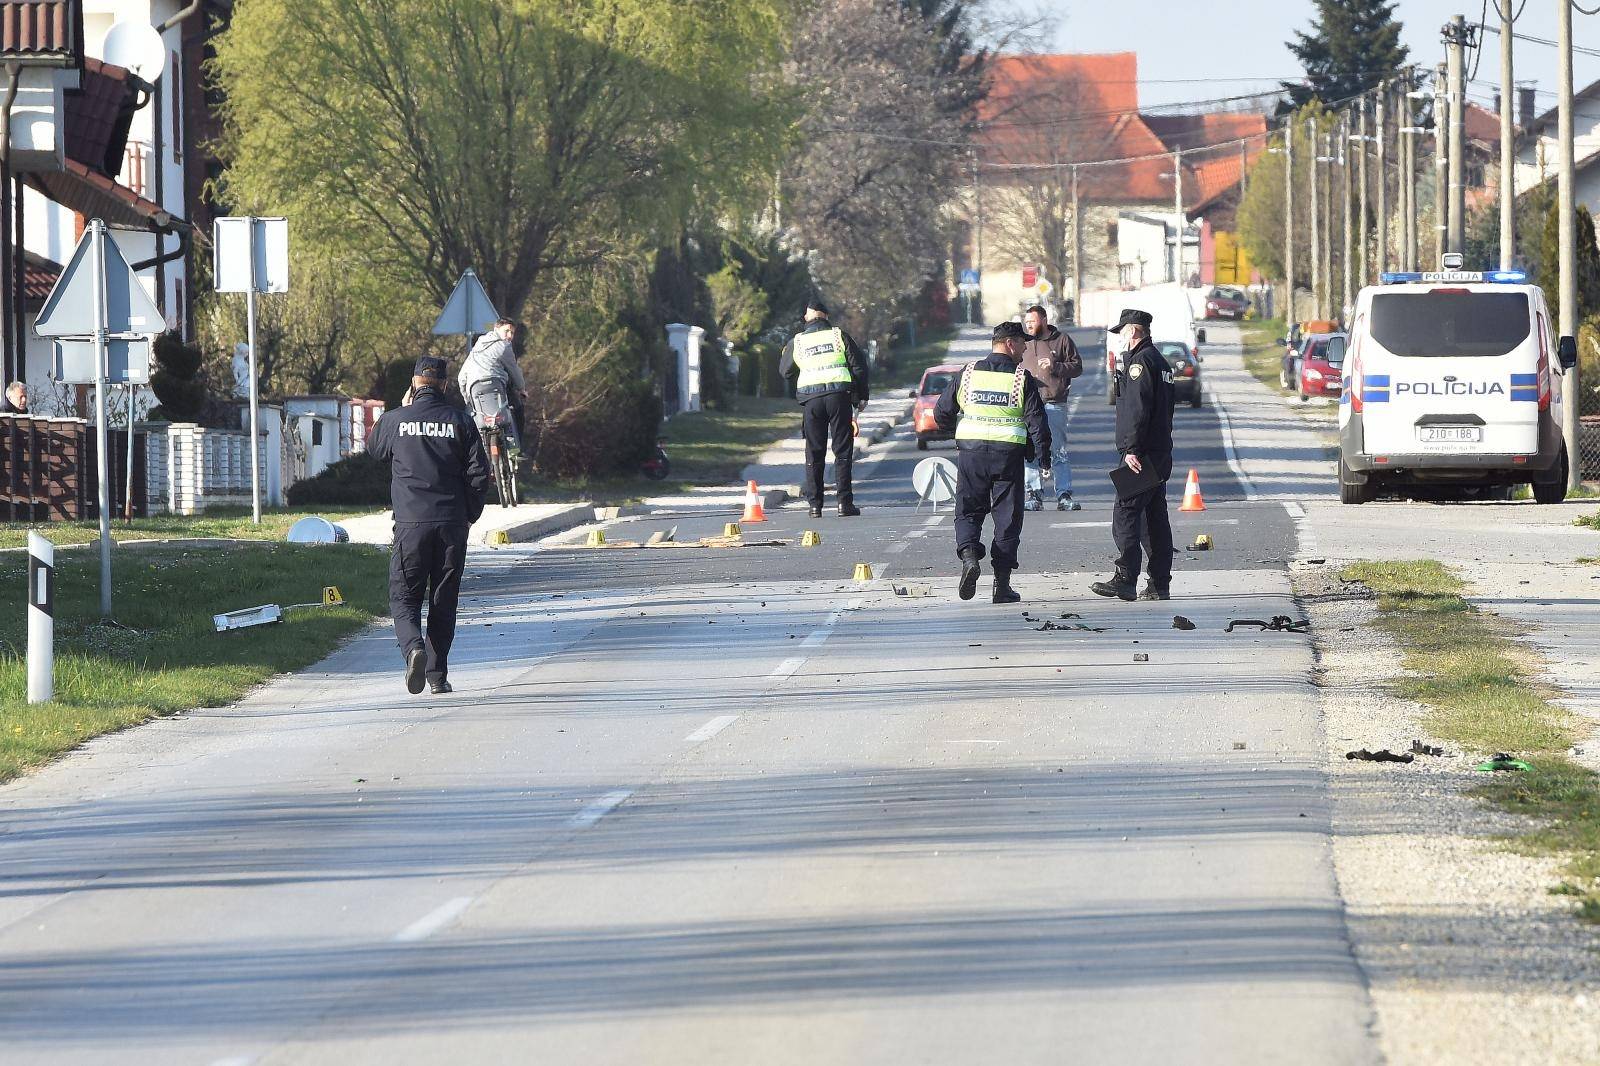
(753,511)
(1191,493)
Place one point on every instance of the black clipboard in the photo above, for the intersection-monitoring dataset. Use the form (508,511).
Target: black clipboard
(1128,483)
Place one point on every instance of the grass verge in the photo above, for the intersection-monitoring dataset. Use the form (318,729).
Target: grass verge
(1590,520)
(1263,354)
(163,656)
(227,522)
(1482,694)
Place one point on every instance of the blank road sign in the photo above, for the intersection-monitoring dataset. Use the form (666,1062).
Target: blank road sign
(127,361)
(235,239)
(69,310)
(468,310)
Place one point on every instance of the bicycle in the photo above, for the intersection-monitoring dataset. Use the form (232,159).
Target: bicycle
(494,427)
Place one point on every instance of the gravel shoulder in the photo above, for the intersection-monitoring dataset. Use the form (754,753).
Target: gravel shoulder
(1467,955)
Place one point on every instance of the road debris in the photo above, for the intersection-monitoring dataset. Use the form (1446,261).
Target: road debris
(1379,756)
(1281,623)
(1502,761)
(1141,657)
(913,591)
(1202,543)
(1052,627)
(1180,622)
(1419,748)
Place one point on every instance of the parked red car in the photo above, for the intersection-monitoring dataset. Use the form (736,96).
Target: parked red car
(1322,365)
(934,381)
(1227,302)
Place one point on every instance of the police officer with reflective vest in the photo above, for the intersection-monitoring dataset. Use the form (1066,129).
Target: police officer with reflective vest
(1144,440)
(831,383)
(998,417)
(439,477)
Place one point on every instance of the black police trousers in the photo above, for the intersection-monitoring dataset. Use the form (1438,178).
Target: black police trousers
(989,483)
(1139,525)
(427,561)
(829,418)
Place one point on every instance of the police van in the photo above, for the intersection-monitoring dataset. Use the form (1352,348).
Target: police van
(1452,380)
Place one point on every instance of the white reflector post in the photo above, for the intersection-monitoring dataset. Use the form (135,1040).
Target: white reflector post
(41,619)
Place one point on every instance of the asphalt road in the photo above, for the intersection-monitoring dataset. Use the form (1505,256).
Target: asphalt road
(706,805)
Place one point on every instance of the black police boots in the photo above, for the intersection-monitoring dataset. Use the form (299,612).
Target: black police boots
(970,569)
(416,670)
(1121,585)
(1003,592)
(1151,592)
(848,510)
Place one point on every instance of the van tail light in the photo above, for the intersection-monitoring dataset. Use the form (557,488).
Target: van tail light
(1544,369)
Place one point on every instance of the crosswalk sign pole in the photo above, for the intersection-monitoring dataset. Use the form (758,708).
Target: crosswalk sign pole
(103,449)
(255,388)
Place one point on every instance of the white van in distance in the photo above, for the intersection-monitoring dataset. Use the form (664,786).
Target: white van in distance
(1453,378)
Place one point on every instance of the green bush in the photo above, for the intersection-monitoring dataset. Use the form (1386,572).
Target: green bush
(178,378)
(357,480)
(614,435)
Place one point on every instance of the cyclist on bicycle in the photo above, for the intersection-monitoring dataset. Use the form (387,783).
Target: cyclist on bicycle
(491,380)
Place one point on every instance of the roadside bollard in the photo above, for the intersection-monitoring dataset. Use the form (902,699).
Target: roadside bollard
(41,619)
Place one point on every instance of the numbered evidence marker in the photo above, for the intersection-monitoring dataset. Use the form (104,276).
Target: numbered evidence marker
(331,596)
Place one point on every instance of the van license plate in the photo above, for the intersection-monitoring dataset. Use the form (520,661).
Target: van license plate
(1450,434)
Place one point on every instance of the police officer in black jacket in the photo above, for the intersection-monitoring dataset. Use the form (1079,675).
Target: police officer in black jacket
(998,417)
(831,383)
(439,476)
(1144,440)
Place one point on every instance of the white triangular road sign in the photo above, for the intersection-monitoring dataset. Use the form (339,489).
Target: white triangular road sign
(468,310)
(69,309)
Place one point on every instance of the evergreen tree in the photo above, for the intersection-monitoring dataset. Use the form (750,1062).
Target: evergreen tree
(1353,45)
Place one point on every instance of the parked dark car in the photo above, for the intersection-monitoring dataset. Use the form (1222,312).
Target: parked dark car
(1185,364)
(1225,301)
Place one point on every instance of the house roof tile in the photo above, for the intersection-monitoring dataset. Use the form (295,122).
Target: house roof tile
(49,30)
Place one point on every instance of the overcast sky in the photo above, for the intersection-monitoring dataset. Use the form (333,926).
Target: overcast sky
(1245,39)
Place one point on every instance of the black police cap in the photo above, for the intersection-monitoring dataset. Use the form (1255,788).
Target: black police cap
(1007,330)
(816,304)
(1130,316)
(429,366)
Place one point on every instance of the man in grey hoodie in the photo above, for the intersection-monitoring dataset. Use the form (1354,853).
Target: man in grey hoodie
(1052,360)
(490,376)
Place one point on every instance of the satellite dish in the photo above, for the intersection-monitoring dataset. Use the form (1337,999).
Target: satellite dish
(935,480)
(315,530)
(137,46)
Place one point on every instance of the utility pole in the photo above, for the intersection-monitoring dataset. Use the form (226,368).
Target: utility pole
(1344,181)
(1508,157)
(1077,250)
(1568,241)
(1327,223)
(1455,36)
(1383,177)
(1412,210)
(1316,237)
(1402,144)
(1361,179)
(1288,223)
(1441,153)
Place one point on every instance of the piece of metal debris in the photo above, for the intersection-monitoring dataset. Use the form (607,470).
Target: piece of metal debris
(1419,748)
(1281,623)
(1379,756)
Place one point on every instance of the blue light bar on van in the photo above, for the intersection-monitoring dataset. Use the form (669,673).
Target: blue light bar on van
(1507,277)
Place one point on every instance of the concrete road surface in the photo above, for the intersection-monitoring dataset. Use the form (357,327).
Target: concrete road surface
(727,806)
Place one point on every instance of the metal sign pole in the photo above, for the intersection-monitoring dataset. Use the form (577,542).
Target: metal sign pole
(127,496)
(255,390)
(103,451)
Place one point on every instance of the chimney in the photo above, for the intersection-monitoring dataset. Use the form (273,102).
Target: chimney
(1525,106)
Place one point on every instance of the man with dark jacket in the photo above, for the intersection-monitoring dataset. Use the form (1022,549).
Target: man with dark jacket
(439,476)
(1144,439)
(830,376)
(995,410)
(1052,360)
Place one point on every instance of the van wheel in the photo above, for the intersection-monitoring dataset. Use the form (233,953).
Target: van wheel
(1352,492)
(1553,491)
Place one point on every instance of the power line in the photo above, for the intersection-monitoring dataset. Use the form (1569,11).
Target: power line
(1530,38)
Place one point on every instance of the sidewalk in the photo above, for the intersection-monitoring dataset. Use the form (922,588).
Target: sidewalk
(529,521)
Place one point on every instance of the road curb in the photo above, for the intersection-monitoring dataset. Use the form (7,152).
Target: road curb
(522,530)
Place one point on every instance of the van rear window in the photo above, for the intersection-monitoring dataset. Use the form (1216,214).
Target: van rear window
(1450,324)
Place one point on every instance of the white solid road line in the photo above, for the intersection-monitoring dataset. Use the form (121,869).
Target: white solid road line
(897,547)
(787,668)
(935,520)
(595,810)
(711,728)
(1227,446)
(433,921)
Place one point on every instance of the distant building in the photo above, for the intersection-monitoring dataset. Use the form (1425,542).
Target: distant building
(91,139)
(1046,113)
(1538,145)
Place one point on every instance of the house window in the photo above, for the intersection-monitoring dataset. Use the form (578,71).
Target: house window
(177,108)
(1111,234)
(316,432)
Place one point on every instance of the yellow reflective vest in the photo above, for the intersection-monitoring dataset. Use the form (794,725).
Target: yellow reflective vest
(991,407)
(822,360)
